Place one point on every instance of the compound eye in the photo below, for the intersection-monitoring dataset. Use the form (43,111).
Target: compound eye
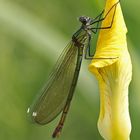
(83,19)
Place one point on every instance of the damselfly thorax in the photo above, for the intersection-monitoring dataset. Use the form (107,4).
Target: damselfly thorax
(80,36)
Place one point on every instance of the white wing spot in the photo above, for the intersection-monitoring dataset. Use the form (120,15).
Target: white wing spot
(34,114)
(28,110)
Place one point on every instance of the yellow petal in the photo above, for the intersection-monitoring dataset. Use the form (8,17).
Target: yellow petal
(114,76)
(111,41)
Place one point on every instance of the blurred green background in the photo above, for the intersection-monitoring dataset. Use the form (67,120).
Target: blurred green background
(32,35)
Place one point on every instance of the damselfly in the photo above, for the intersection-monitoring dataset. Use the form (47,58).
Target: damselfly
(58,92)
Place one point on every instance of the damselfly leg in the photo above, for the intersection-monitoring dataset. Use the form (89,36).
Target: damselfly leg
(97,20)
(88,54)
(107,27)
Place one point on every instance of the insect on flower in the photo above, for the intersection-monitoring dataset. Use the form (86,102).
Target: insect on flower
(58,92)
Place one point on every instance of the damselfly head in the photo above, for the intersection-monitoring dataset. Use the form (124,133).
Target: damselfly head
(85,20)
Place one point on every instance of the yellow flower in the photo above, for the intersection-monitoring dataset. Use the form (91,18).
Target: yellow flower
(114,76)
